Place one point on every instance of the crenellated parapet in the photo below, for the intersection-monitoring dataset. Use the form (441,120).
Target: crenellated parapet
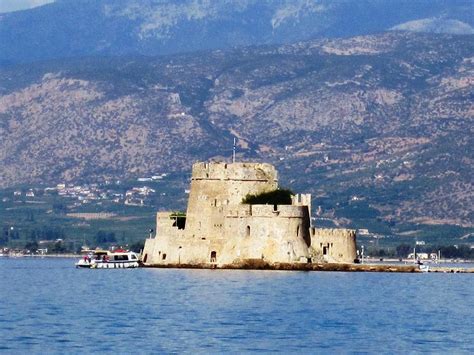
(268,211)
(235,171)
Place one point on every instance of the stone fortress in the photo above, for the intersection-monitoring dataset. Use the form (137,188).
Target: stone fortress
(219,229)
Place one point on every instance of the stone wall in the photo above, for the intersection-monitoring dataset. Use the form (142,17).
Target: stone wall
(166,224)
(333,245)
(272,233)
(221,230)
(165,249)
(218,186)
(302,200)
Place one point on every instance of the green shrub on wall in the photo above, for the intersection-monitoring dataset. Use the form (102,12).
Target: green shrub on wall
(275,197)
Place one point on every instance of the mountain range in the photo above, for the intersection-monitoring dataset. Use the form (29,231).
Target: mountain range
(82,28)
(377,127)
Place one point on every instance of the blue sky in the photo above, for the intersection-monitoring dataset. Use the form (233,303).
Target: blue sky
(13,5)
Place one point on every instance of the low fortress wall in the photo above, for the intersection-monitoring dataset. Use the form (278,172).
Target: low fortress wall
(333,245)
(220,230)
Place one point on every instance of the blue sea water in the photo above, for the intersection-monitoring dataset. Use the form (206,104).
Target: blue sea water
(48,306)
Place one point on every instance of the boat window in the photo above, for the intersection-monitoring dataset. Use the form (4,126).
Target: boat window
(133,257)
(120,257)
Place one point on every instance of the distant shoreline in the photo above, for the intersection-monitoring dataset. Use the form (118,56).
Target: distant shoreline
(43,256)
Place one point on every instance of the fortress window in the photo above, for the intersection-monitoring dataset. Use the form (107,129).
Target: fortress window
(179,220)
(248,231)
(213,256)
(298,231)
(275,207)
(163,257)
(145,258)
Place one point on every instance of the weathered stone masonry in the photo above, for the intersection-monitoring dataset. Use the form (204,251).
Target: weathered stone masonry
(220,230)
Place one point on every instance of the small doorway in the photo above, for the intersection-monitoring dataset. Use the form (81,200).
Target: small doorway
(325,250)
(213,256)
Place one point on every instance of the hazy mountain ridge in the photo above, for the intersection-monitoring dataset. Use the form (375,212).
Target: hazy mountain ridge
(434,25)
(377,123)
(78,28)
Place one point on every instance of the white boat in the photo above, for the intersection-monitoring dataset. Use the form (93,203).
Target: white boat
(104,259)
(423,267)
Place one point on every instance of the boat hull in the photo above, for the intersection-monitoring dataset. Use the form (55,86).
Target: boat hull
(115,265)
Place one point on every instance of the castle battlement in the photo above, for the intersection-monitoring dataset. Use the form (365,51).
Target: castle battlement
(269,211)
(234,171)
(333,233)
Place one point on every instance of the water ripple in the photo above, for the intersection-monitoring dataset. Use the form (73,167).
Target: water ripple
(49,306)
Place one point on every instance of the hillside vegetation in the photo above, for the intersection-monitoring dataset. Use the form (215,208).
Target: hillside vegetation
(378,128)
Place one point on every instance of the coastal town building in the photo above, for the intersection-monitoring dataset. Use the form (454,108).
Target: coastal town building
(219,229)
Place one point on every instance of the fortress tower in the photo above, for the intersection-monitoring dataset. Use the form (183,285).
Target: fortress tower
(219,187)
(219,229)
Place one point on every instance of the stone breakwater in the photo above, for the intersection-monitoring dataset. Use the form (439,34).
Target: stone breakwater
(262,265)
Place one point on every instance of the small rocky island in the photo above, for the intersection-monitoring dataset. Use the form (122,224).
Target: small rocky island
(237,217)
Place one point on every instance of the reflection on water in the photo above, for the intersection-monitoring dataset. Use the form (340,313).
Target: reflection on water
(48,305)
